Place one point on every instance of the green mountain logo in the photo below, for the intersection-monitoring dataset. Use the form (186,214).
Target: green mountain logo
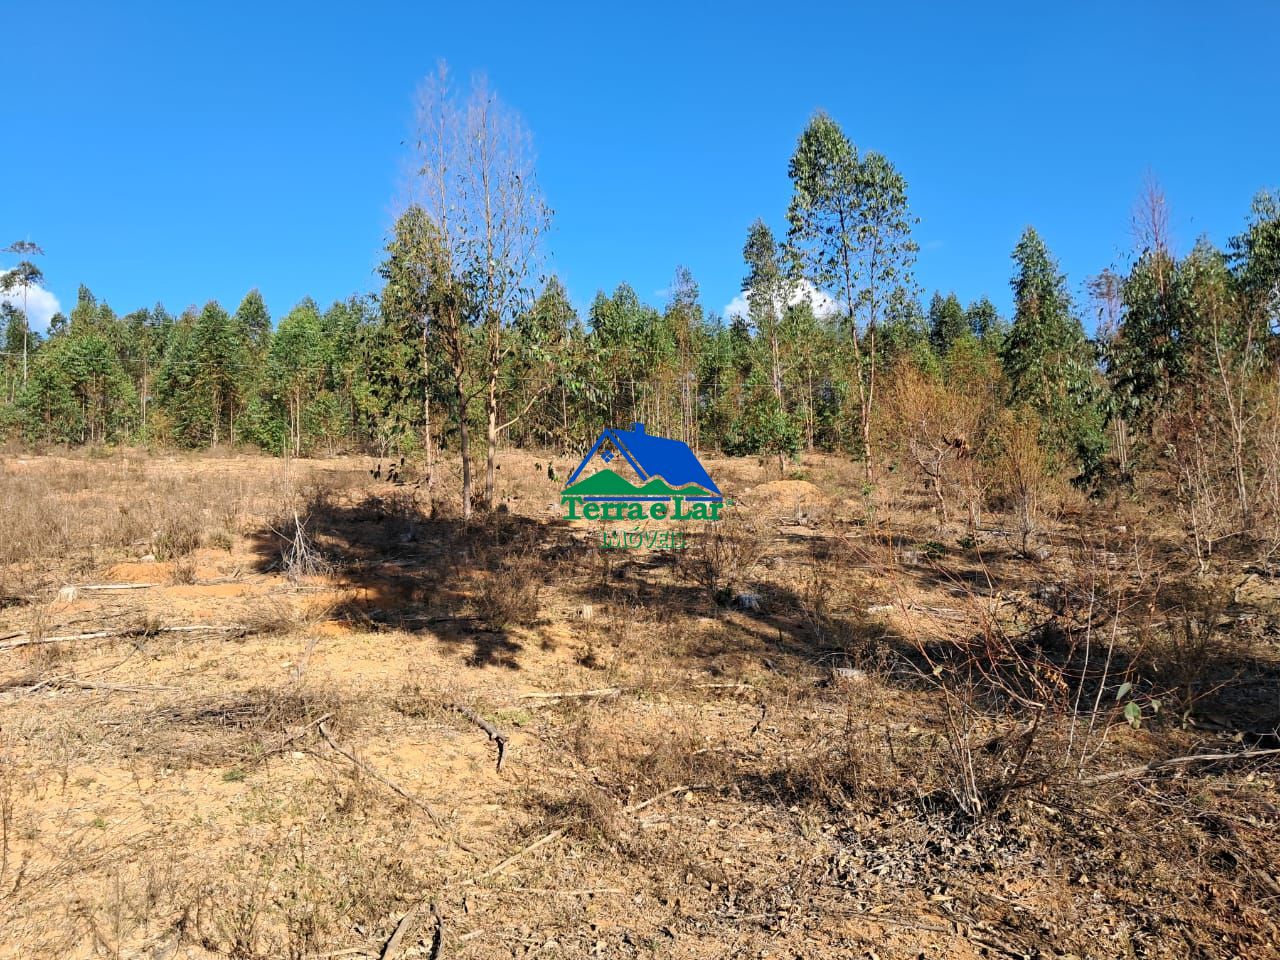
(606,483)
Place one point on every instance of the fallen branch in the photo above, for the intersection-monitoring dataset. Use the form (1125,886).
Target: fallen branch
(28,640)
(390,784)
(552,891)
(108,687)
(560,831)
(494,734)
(437,941)
(117,586)
(636,808)
(393,945)
(1157,765)
(579,694)
(297,732)
(493,871)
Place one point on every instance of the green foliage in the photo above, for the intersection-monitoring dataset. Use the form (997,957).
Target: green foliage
(904,332)
(206,377)
(254,321)
(1255,256)
(825,201)
(1048,362)
(78,392)
(947,322)
(1184,344)
(1149,354)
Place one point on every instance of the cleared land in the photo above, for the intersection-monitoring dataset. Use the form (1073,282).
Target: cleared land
(832,727)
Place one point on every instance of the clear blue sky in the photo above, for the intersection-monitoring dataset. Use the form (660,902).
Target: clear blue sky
(181,152)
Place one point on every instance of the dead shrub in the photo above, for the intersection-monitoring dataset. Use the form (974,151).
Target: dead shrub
(184,572)
(724,555)
(588,812)
(12,590)
(241,729)
(645,754)
(1205,491)
(272,616)
(411,700)
(178,536)
(1180,655)
(289,893)
(300,556)
(1020,476)
(502,601)
(938,428)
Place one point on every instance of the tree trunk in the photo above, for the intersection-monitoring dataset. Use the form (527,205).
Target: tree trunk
(810,416)
(464,435)
(491,436)
(864,399)
(217,416)
(26,326)
(426,410)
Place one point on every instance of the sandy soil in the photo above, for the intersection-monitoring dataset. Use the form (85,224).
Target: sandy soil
(687,774)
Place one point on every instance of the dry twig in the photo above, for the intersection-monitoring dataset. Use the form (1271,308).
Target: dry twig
(388,783)
(494,734)
(1157,765)
(27,640)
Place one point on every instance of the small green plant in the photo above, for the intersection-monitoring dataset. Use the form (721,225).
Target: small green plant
(221,540)
(234,775)
(1133,713)
(515,717)
(932,550)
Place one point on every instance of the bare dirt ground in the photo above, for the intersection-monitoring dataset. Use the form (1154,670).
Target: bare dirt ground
(834,727)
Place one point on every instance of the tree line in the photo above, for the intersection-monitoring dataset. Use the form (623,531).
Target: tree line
(466,342)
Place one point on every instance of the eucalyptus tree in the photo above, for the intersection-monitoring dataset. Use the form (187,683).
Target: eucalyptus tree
(782,319)
(947,322)
(886,255)
(438,243)
(78,392)
(626,349)
(1049,363)
(684,321)
(12,334)
(544,363)
(408,337)
(475,182)
(254,321)
(1255,257)
(850,232)
(205,379)
(297,370)
(904,332)
(145,338)
(984,321)
(770,288)
(23,276)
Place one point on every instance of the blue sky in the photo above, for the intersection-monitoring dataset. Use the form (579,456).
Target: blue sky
(182,152)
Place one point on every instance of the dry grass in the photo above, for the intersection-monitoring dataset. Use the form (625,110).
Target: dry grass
(894,750)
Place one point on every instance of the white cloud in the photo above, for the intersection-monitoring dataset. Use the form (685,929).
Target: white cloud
(41,304)
(823,305)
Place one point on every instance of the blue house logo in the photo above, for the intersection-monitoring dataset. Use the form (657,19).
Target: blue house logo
(670,482)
